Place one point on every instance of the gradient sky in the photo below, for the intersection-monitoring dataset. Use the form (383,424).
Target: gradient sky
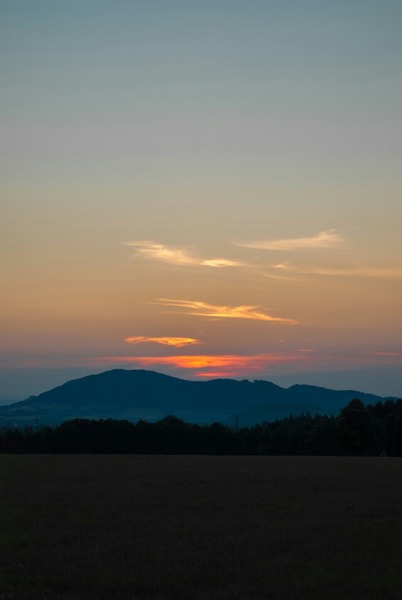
(204,189)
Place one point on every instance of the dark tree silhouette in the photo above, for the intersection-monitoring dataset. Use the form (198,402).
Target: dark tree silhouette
(359,430)
(356,431)
(398,437)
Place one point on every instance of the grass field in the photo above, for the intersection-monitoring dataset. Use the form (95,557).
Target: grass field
(102,527)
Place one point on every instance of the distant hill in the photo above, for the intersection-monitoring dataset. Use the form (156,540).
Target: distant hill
(8,400)
(141,394)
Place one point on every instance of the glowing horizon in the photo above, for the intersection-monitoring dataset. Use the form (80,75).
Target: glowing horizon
(218,365)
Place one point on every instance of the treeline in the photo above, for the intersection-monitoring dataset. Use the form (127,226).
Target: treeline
(359,430)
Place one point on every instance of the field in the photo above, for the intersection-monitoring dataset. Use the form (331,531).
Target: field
(97,527)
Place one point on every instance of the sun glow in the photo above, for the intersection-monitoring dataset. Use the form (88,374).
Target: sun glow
(210,365)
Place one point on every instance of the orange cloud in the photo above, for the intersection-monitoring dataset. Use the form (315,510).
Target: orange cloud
(325,239)
(178,256)
(210,365)
(178,342)
(203,309)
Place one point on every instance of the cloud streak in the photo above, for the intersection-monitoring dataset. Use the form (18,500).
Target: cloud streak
(325,239)
(203,309)
(177,342)
(178,256)
(380,272)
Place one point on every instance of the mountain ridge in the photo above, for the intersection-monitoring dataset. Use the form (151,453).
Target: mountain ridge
(142,394)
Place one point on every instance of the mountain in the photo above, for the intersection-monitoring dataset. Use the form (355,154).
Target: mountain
(141,394)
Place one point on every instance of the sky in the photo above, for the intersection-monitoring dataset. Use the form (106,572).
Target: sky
(204,189)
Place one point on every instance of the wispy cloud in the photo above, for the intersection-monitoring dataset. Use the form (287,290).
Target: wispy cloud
(385,354)
(203,309)
(381,272)
(221,262)
(226,365)
(178,342)
(325,239)
(178,256)
(284,266)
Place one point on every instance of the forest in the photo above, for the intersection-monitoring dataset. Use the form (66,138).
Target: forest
(359,430)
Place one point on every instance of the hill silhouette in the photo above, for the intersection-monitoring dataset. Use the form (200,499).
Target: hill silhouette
(142,394)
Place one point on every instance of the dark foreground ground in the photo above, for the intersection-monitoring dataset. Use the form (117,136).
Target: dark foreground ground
(189,528)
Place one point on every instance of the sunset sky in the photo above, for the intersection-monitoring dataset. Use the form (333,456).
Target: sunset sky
(204,189)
